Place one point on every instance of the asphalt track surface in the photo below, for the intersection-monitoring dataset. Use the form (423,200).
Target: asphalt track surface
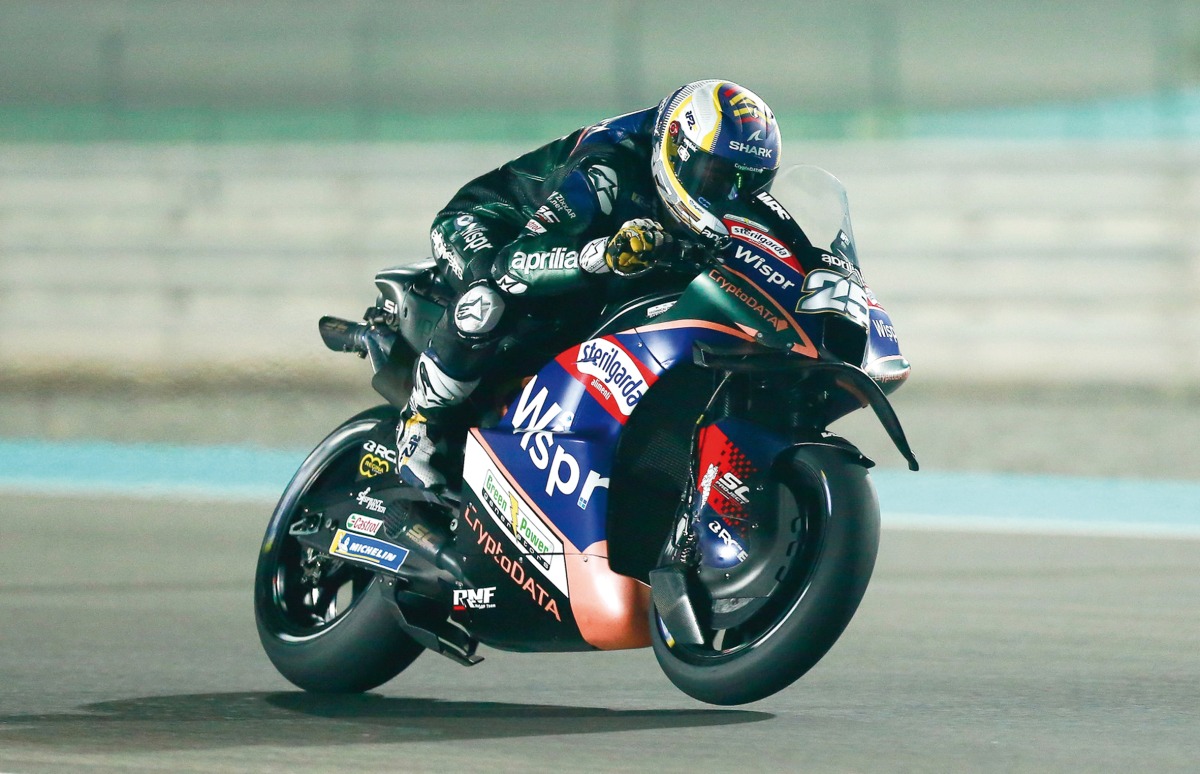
(127,643)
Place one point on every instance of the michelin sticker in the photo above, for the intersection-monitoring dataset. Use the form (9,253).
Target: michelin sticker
(368,549)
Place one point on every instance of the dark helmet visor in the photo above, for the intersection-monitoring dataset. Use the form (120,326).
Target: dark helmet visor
(713,181)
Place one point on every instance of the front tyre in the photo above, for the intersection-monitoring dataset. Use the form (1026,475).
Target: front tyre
(828,506)
(326,625)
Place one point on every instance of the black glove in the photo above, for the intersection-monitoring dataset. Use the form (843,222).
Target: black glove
(631,251)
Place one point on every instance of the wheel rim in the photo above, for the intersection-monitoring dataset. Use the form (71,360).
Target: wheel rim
(299,593)
(727,644)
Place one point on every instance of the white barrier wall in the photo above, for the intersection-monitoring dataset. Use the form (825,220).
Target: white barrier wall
(532,56)
(1026,263)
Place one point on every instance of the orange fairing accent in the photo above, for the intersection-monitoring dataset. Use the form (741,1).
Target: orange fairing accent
(806,346)
(712,326)
(612,611)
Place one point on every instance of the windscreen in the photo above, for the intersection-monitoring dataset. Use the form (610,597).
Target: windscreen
(817,201)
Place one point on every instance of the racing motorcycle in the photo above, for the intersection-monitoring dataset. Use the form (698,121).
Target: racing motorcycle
(663,477)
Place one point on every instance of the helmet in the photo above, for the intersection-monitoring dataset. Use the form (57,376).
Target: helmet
(714,143)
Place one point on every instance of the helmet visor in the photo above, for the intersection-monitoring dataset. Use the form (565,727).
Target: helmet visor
(714,181)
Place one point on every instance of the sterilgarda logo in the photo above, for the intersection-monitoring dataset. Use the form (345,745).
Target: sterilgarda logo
(756,237)
(618,376)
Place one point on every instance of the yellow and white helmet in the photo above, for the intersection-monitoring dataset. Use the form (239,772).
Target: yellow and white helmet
(714,143)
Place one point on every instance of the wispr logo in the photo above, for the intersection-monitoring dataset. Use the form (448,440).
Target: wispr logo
(615,370)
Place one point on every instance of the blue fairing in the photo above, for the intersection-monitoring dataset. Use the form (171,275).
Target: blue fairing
(883,341)
(564,476)
(559,437)
(735,461)
(557,441)
(758,444)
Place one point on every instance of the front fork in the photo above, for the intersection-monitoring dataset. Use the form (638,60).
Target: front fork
(723,538)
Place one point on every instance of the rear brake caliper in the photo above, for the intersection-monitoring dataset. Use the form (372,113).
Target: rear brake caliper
(312,566)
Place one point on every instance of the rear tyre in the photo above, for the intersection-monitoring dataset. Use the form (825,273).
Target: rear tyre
(836,541)
(326,625)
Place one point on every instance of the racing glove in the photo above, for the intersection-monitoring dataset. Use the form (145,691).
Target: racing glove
(631,250)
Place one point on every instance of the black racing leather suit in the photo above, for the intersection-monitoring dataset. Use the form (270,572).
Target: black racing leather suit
(534,231)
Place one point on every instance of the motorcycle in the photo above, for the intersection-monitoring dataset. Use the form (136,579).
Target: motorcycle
(663,477)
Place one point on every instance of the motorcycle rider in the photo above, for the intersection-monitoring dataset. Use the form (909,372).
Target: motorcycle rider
(604,199)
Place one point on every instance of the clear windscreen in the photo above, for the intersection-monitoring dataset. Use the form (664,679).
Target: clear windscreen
(817,201)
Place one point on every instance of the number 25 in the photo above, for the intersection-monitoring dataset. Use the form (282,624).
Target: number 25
(831,292)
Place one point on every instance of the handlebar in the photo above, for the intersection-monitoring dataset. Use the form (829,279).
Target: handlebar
(688,256)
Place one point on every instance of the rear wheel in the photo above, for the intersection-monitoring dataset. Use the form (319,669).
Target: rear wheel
(829,515)
(326,625)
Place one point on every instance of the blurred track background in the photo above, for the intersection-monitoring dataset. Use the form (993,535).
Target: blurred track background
(186,187)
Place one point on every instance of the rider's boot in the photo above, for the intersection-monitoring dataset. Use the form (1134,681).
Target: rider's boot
(420,440)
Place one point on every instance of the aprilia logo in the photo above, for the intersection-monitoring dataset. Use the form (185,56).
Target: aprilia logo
(558,258)
(842,264)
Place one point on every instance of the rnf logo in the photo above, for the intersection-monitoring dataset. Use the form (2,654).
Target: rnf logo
(476,599)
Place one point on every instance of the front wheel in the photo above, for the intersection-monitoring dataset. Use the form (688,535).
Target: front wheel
(326,625)
(828,512)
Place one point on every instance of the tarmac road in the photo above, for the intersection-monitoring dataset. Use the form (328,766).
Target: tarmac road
(127,643)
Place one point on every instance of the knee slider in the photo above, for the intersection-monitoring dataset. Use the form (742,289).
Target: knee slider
(478,311)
